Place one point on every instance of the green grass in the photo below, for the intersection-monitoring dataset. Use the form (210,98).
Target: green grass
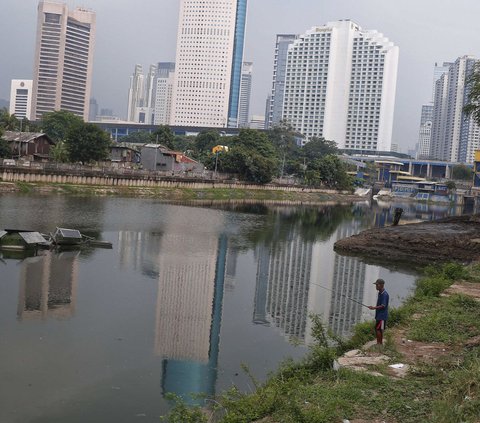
(310,391)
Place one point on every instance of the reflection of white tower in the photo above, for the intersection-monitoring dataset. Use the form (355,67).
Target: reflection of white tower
(48,286)
(186,286)
(335,281)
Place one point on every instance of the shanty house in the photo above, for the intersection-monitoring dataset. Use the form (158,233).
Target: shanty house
(34,146)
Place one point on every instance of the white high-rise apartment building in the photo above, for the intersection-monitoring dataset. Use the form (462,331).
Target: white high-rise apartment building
(455,136)
(63,60)
(245,95)
(136,92)
(21,98)
(340,84)
(208,62)
(164,92)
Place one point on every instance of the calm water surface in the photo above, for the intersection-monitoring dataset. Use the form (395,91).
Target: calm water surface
(185,297)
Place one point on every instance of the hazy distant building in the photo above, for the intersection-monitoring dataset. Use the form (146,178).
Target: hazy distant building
(63,60)
(21,98)
(274,112)
(245,95)
(164,92)
(257,122)
(340,84)
(455,136)
(209,62)
(93,111)
(135,92)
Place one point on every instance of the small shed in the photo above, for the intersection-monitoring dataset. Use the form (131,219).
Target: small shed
(124,153)
(159,157)
(31,145)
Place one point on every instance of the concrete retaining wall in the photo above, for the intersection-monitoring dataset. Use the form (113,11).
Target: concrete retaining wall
(92,178)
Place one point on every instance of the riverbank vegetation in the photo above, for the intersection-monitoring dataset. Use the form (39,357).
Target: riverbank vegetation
(436,333)
(252,155)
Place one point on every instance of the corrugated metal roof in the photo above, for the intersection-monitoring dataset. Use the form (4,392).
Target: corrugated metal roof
(2,234)
(24,137)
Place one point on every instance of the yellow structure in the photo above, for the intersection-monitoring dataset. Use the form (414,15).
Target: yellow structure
(219,148)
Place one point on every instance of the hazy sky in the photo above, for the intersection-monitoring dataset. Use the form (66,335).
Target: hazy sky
(144,31)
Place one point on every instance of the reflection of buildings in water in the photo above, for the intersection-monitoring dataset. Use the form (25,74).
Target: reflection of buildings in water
(189,305)
(282,290)
(296,278)
(231,267)
(139,251)
(48,286)
(336,281)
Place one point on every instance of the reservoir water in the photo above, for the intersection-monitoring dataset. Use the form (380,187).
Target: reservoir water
(187,297)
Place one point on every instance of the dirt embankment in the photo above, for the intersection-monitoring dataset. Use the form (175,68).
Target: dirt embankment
(450,239)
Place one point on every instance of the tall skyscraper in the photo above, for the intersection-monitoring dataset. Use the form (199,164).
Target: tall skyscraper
(164,92)
(63,60)
(455,136)
(274,112)
(209,62)
(21,98)
(426,119)
(135,92)
(425,132)
(245,95)
(340,84)
(93,111)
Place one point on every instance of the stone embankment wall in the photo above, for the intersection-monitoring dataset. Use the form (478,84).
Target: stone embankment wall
(107,178)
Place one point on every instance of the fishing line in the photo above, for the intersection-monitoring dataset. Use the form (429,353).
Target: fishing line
(342,295)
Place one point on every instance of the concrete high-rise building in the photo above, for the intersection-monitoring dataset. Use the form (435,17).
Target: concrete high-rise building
(245,95)
(257,122)
(21,98)
(340,84)
(63,60)
(164,92)
(136,92)
(425,132)
(455,136)
(209,62)
(274,112)
(426,119)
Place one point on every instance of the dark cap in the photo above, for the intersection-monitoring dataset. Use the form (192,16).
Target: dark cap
(379,282)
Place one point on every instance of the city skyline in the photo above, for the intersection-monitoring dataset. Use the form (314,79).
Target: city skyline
(423,33)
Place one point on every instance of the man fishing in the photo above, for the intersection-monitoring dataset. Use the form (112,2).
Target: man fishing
(381,310)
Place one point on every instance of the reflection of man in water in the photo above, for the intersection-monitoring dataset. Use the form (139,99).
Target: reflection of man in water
(397,215)
(381,310)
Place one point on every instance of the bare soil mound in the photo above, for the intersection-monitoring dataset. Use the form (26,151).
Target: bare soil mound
(453,238)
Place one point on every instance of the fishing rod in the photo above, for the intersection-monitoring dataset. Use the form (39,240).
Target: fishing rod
(342,295)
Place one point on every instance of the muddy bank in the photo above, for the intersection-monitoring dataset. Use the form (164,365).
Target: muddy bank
(449,239)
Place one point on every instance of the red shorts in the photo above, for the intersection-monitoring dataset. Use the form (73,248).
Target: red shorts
(380,324)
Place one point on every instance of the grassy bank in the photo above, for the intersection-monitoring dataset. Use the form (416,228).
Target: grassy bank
(177,194)
(435,334)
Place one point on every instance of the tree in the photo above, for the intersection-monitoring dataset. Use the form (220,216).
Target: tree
(206,140)
(473,107)
(59,152)
(57,124)
(329,171)
(319,147)
(462,172)
(86,142)
(165,136)
(251,155)
(7,121)
(5,151)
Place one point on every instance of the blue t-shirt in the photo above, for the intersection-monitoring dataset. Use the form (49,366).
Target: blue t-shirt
(382,313)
